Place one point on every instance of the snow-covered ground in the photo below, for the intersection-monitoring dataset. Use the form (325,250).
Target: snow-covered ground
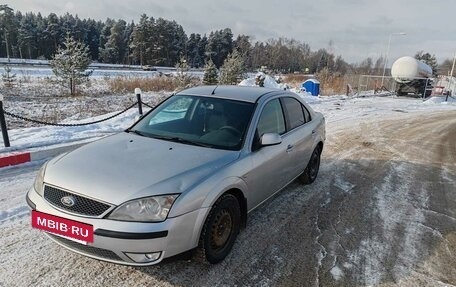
(97,72)
(328,238)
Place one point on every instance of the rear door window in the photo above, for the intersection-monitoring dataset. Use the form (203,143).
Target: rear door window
(294,113)
(306,114)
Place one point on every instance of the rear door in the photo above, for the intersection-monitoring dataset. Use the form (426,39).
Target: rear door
(299,134)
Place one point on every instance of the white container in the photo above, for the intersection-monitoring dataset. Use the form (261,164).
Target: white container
(407,69)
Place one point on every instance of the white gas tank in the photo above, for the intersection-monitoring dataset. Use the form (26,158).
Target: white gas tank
(406,69)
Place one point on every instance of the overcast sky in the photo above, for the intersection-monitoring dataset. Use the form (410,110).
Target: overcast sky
(357,28)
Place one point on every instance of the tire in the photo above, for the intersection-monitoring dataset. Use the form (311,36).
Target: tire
(220,229)
(310,173)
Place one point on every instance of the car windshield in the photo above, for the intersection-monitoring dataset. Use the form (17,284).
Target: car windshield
(196,120)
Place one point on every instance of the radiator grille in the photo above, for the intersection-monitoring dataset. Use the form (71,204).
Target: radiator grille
(82,205)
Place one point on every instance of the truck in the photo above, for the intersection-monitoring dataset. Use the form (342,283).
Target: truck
(412,77)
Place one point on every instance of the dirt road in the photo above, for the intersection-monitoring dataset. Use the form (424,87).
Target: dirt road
(382,212)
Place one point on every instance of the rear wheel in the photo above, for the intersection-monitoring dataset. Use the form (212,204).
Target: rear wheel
(310,173)
(220,229)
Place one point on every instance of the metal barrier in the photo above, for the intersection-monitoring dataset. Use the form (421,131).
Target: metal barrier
(368,83)
(374,83)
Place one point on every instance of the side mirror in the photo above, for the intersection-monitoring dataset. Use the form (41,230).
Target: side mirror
(270,139)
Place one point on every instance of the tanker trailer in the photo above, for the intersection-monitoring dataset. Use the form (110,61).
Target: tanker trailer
(412,77)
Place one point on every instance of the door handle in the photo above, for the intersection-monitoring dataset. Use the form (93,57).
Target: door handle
(314,132)
(290,148)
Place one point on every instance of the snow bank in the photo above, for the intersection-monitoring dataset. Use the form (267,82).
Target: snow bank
(308,98)
(269,82)
(440,100)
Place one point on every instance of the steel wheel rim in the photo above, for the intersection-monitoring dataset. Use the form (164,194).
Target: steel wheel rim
(221,229)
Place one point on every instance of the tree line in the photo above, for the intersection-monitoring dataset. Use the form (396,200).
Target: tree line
(153,41)
(161,42)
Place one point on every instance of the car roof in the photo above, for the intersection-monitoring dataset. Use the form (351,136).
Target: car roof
(239,93)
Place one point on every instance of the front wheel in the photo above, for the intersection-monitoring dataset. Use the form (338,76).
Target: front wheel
(310,173)
(220,229)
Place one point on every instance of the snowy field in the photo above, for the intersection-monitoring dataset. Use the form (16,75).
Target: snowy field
(97,72)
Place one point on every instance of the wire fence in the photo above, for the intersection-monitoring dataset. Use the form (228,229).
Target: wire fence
(4,112)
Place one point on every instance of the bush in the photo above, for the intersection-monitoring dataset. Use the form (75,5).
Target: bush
(128,84)
(156,84)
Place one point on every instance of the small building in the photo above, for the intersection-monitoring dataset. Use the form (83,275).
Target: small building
(311,86)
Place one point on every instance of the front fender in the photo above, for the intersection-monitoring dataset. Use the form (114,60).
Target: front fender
(205,194)
(206,202)
(223,186)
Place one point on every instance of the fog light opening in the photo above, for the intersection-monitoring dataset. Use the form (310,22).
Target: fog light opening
(153,256)
(143,257)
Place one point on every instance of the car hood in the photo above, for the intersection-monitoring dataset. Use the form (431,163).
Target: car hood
(127,166)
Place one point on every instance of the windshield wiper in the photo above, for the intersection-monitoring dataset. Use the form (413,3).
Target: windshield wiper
(136,132)
(180,140)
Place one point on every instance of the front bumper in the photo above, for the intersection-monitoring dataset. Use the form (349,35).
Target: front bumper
(112,238)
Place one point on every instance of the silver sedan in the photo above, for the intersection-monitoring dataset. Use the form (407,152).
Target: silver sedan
(183,177)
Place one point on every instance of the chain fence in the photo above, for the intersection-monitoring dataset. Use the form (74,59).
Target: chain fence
(68,125)
(4,112)
(149,106)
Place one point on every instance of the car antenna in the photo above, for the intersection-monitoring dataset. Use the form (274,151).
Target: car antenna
(213,92)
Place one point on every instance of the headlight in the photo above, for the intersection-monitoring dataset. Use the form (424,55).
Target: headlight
(39,180)
(149,209)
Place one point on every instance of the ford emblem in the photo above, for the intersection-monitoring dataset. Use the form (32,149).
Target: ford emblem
(68,201)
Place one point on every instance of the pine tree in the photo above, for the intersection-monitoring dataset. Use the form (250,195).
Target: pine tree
(429,60)
(210,73)
(232,70)
(140,44)
(219,45)
(244,47)
(116,45)
(184,80)
(70,63)
(9,29)
(8,77)
(192,50)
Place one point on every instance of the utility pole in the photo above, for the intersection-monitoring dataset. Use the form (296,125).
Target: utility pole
(387,52)
(452,68)
(450,80)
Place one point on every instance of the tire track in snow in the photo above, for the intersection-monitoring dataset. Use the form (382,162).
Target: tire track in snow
(12,213)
